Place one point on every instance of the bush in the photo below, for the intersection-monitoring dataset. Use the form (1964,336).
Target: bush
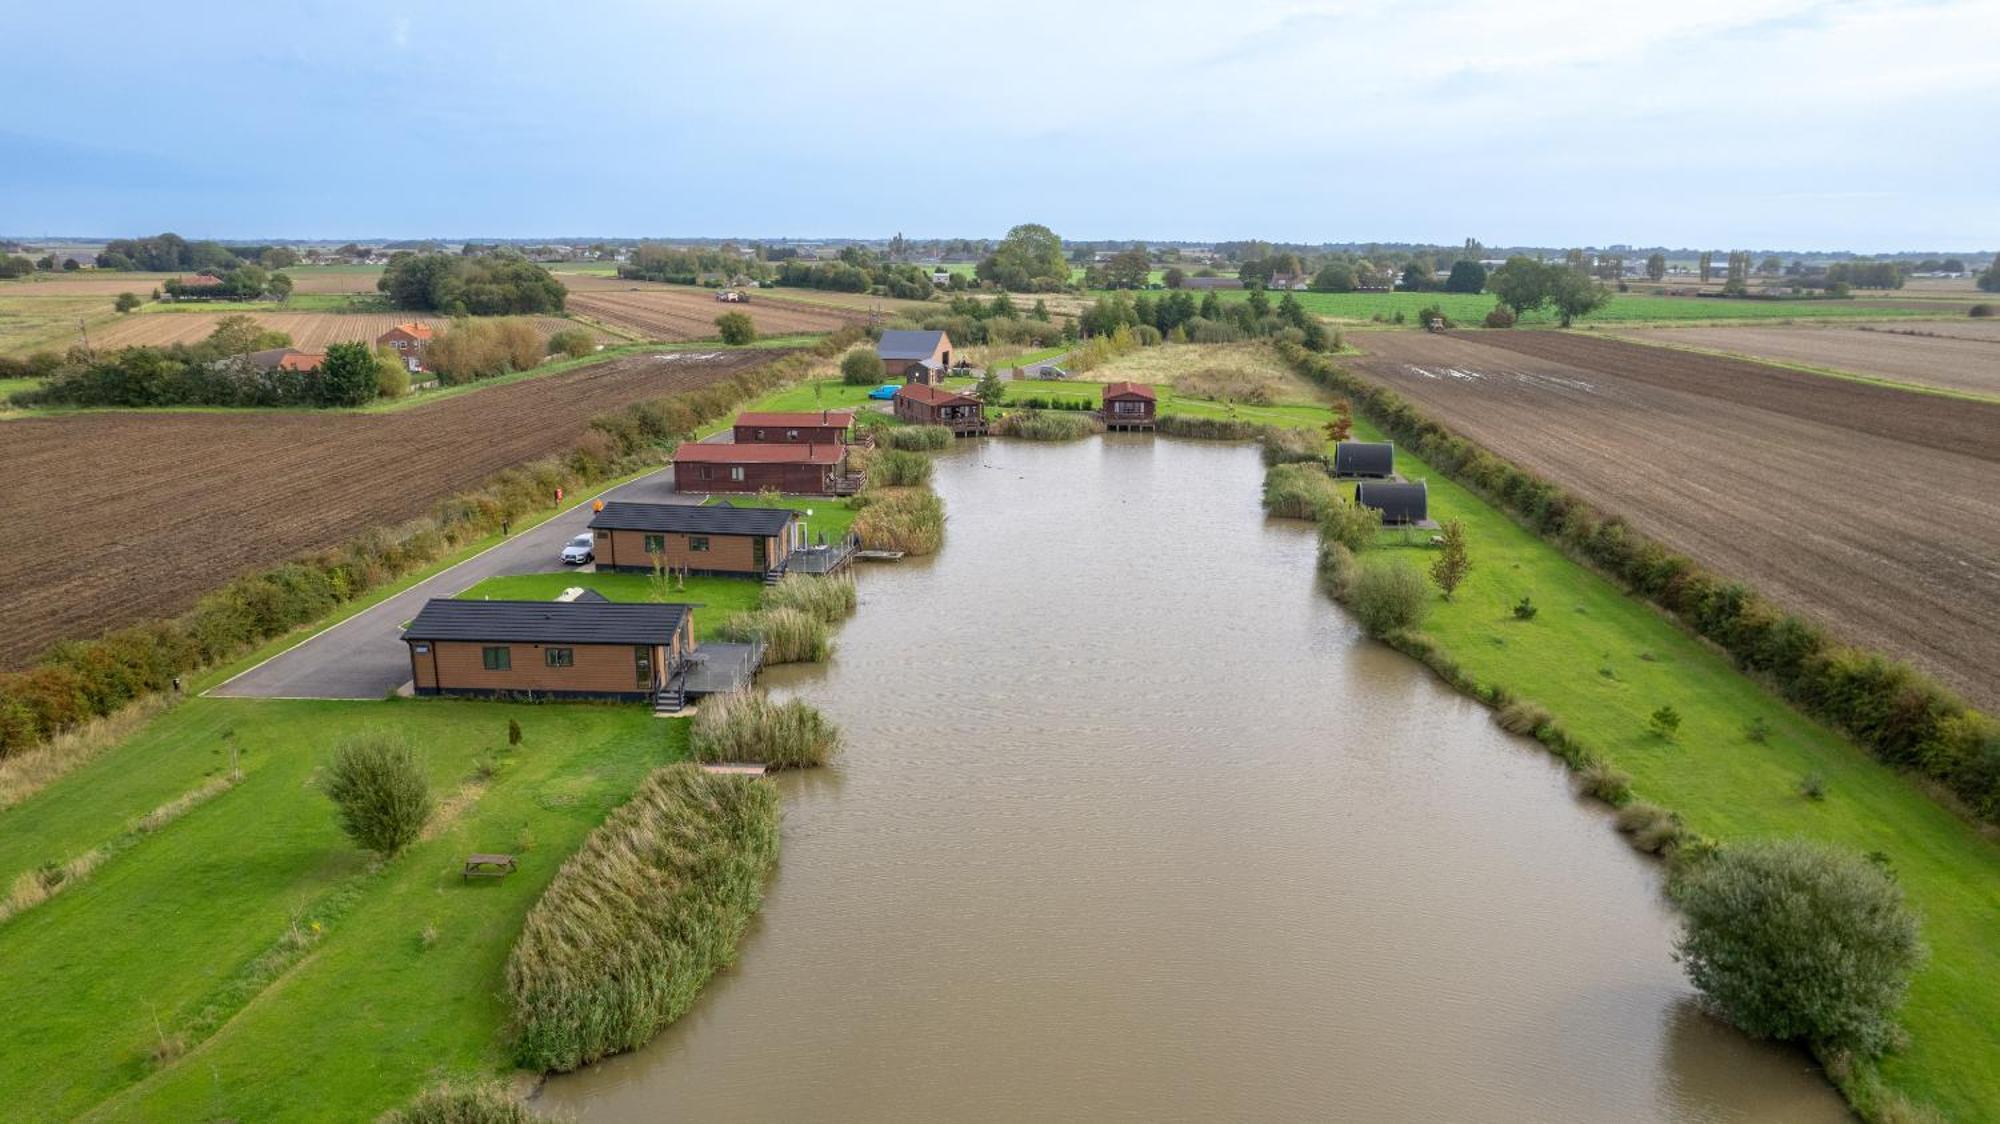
(1521,717)
(126,302)
(1665,722)
(789,635)
(481,349)
(573,342)
(918,438)
(1524,609)
(747,726)
(1604,781)
(1300,491)
(894,468)
(1285,445)
(1035,425)
(862,367)
(1980,310)
(1651,828)
(513,731)
(392,378)
(1352,525)
(1336,568)
(1500,317)
(1388,596)
(828,598)
(907,519)
(1812,786)
(487,1102)
(381,792)
(635,922)
(1795,940)
(736,328)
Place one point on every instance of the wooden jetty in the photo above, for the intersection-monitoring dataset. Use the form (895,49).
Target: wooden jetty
(733,769)
(878,555)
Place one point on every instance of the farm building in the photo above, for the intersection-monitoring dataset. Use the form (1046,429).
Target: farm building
(1372,459)
(579,649)
(286,359)
(963,414)
(739,541)
(824,427)
(914,356)
(802,470)
(408,341)
(1129,405)
(1401,505)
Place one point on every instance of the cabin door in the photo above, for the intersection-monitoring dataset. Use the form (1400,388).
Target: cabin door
(642,665)
(760,551)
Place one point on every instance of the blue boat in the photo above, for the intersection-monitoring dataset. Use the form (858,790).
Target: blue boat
(884,392)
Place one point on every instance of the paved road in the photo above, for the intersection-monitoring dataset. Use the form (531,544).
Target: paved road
(363,657)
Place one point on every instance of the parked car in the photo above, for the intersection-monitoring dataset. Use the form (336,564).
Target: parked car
(578,551)
(1052,373)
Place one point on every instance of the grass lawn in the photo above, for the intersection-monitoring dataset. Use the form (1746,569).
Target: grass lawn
(831,516)
(393,974)
(1624,308)
(718,597)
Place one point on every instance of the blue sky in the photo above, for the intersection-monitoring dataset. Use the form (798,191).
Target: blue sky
(1761,123)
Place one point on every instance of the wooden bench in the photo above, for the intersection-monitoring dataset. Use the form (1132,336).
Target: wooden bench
(488,866)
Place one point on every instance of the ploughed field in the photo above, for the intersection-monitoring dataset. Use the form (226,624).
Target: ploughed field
(119,517)
(310,331)
(1871,509)
(664,312)
(1950,356)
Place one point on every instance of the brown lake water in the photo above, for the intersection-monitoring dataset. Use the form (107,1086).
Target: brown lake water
(1133,823)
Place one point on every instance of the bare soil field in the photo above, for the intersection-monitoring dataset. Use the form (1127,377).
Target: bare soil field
(1946,356)
(1869,509)
(117,517)
(664,312)
(310,331)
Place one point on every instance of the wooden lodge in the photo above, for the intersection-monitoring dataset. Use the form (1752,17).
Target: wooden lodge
(1130,406)
(963,414)
(915,356)
(822,427)
(799,470)
(750,542)
(583,649)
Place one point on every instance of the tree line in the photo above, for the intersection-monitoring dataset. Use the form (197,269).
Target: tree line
(502,284)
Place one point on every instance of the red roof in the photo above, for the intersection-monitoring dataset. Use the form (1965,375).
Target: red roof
(415,330)
(1128,390)
(823,419)
(935,395)
(717,452)
(301,360)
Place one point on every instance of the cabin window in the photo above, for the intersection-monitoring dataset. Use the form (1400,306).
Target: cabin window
(707,473)
(603,535)
(760,435)
(791,435)
(656,544)
(497,659)
(559,657)
(698,544)
(736,472)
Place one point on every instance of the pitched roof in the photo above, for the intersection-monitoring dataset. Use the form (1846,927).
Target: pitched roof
(547,622)
(1129,390)
(935,395)
(271,357)
(301,360)
(822,419)
(901,343)
(718,452)
(681,518)
(416,330)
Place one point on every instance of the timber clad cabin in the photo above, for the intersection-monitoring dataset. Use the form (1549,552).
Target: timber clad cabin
(549,649)
(800,470)
(826,427)
(735,541)
(407,341)
(1401,505)
(1375,459)
(920,357)
(1129,405)
(963,414)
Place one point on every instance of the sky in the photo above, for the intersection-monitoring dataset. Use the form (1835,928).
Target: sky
(1766,124)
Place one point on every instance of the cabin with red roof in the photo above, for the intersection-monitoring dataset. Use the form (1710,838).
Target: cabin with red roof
(1130,406)
(407,341)
(704,467)
(963,414)
(824,427)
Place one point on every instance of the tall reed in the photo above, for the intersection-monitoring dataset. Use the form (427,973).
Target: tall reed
(1039,425)
(789,635)
(895,468)
(918,438)
(748,726)
(1300,491)
(907,519)
(828,598)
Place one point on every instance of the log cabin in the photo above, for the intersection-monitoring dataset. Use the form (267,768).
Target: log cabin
(963,414)
(823,427)
(799,470)
(1130,406)
(583,649)
(749,542)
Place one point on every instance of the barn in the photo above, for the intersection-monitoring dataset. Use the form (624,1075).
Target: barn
(963,414)
(915,356)
(822,427)
(583,649)
(1401,505)
(1129,405)
(749,542)
(800,470)
(1371,459)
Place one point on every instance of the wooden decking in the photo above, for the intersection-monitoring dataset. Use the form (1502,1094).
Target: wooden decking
(732,769)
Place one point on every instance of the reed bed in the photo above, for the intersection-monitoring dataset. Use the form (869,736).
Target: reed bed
(790,635)
(637,920)
(907,519)
(1041,425)
(896,468)
(1210,429)
(1285,445)
(829,598)
(1300,491)
(917,438)
(484,1102)
(747,726)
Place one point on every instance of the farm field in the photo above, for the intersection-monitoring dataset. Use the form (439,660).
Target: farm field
(1470,309)
(196,498)
(665,312)
(1867,508)
(310,331)
(1953,357)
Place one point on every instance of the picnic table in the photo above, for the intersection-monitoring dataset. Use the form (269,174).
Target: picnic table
(488,866)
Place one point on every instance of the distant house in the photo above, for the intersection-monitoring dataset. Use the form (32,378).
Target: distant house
(1373,459)
(940,277)
(582,649)
(286,359)
(747,542)
(408,341)
(915,356)
(800,470)
(1401,505)
(1211,283)
(1287,281)
(825,427)
(963,414)
(1129,405)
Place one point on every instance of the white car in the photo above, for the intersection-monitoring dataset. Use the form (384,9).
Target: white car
(578,551)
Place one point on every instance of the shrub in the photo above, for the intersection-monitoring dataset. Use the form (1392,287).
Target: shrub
(1795,940)
(828,598)
(1524,609)
(1388,596)
(907,519)
(1352,525)
(736,328)
(1285,445)
(748,726)
(573,342)
(1604,781)
(862,367)
(789,635)
(1758,729)
(1336,568)
(379,788)
(1665,722)
(1036,425)
(1651,828)
(635,922)
(481,349)
(486,1102)
(392,378)
(894,468)
(1500,317)
(1522,717)
(1431,312)
(1300,491)
(1812,786)
(1455,562)
(126,302)
(918,438)
(1980,310)
(513,731)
